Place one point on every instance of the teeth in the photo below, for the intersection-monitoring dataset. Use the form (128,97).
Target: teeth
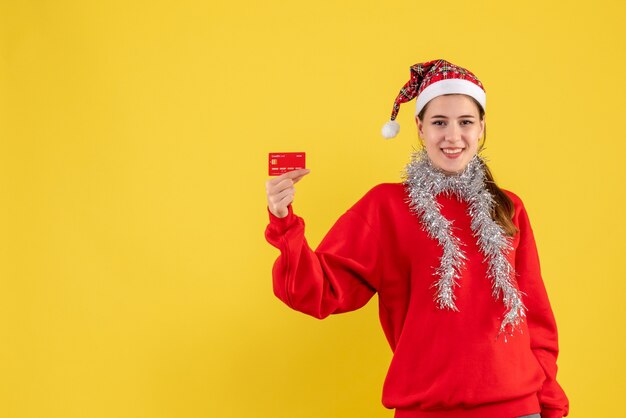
(451,151)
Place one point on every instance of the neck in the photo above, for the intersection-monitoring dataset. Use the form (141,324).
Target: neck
(422,174)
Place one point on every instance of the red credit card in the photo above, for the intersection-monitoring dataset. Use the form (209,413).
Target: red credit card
(282,162)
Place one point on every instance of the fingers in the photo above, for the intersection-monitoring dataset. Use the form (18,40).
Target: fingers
(294,175)
(273,189)
(278,184)
(299,174)
(280,197)
(280,191)
(278,202)
(285,198)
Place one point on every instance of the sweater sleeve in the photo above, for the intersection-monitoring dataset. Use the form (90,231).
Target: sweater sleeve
(339,276)
(541,323)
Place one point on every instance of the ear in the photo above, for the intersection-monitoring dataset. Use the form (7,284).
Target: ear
(482,126)
(420,126)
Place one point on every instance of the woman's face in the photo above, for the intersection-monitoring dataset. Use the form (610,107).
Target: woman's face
(450,131)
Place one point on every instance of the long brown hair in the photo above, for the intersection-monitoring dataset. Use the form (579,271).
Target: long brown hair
(504,209)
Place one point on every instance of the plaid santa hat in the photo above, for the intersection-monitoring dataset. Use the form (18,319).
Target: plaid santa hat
(429,80)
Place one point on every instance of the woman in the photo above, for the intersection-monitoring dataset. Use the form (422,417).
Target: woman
(452,258)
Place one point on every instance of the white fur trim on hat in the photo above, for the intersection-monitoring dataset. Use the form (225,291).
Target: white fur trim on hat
(449,86)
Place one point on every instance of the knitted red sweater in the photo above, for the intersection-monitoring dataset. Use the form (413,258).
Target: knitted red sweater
(445,363)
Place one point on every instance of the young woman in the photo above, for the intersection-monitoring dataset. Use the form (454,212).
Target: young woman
(452,258)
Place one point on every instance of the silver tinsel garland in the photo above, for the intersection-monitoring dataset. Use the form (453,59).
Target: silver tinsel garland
(423,183)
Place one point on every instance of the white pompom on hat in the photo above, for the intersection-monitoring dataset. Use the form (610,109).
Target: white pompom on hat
(429,80)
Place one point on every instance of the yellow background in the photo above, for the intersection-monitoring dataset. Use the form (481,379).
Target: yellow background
(134,276)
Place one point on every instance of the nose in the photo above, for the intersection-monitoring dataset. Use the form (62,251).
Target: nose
(453,133)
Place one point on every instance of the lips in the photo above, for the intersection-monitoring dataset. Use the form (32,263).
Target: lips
(452,152)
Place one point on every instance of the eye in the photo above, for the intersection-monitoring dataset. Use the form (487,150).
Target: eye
(469,122)
(437,122)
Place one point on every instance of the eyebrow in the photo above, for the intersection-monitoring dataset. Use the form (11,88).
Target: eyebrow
(445,117)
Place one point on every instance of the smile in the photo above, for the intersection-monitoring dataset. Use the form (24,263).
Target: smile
(452,152)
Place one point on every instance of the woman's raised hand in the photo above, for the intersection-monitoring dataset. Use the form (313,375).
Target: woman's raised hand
(280,191)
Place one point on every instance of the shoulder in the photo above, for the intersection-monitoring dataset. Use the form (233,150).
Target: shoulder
(380,198)
(385,190)
(520,217)
(381,193)
(517,201)
(514,197)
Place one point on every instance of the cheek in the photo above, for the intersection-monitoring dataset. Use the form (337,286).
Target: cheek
(431,144)
(431,137)
(473,137)
(432,149)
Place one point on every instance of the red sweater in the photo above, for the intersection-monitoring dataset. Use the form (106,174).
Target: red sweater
(445,363)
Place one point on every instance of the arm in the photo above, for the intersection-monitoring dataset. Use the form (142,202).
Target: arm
(339,276)
(541,322)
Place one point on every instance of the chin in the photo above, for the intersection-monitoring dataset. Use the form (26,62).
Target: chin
(452,167)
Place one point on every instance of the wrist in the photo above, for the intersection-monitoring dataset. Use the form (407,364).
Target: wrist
(285,220)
